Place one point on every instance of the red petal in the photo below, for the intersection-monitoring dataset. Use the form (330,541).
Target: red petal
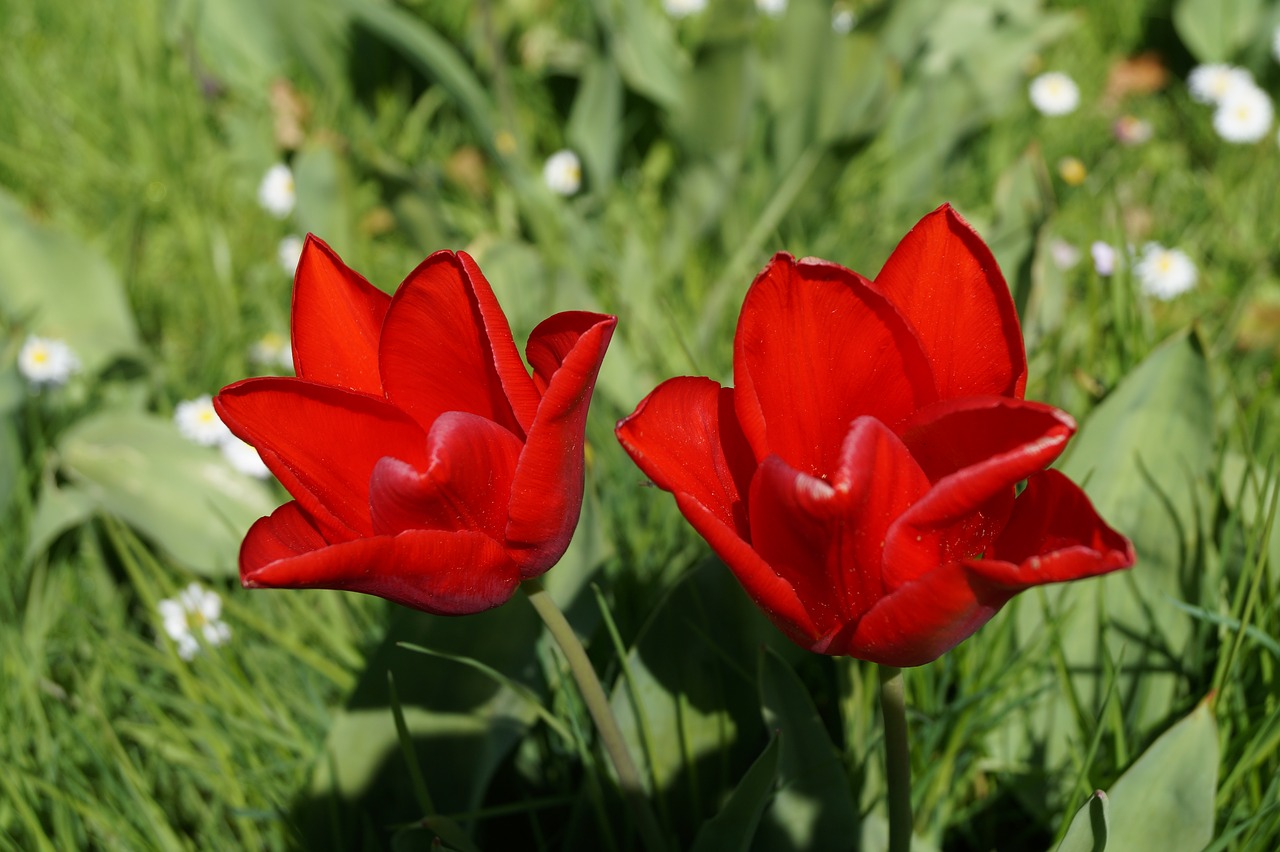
(337,317)
(321,442)
(685,437)
(817,347)
(1054,534)
(438,347)
(944,280)
(447,573)
(546,491)
(522,393)
(975,450)
(828,540)
(466,485)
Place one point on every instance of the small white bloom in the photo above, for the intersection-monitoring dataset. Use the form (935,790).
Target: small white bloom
(272,350)
(244,458)
(1209,84)
(1054,93)
(563,172)
(197,421)
(1164,273)
(46,363)
(772,8)
(1064,255)
(195,610)
(289,252)
(1104,258)
(276,193)
(843,20)
(683,8)
(1243,115)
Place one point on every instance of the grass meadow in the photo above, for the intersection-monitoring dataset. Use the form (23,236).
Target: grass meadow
(134,139)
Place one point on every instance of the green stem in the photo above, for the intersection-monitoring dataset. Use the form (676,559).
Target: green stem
(897,757)
(598,705)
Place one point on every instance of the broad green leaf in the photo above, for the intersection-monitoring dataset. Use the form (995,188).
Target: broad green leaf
(715,111)
(796,76)
(182,496)
(56,286)
(323,202)
(58,509)
(1165,801)
(647,54)
(684,703)
(1089,829)
(461,722)
(594,129)
(859,87)
(732,829)
(814,809)
(1214,30)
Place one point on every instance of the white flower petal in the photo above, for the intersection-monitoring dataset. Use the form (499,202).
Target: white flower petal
(1054,93)
(563,172)
(198,421)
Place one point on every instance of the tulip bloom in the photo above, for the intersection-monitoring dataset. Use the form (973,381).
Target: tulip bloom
(861,479)
(427,465)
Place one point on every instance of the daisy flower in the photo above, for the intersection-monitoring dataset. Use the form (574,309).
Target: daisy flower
(1243,115)
(195,610)
(563,172)
(771,8)
(243,458)
(1209,84)
(683,8)
(1054,93)
(197,421)
(276,193)
(44,362)
(1164,273)
(1104,258)
(288,253)
(272,350)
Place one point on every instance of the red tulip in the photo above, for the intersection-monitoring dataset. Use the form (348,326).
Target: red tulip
(427,465)
(861,479)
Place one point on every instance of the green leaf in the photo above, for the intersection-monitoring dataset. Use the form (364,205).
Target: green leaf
(323,205)
(732,829)
(1214,30)
(1165,801)
(815,808)
(1089,829)
(718,100)
(58,509)
(61,288)
(12,462)
(594,129)
(182,496)
(648,57)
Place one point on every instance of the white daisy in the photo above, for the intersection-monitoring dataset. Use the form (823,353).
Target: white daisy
(197,421)
(1209,84)
(1164,273)
(276,193)
(244,458)
(46,363)
(563,172)
(1243,115)
(683,8)
(288,253)
(272,350)
(194,610)
(843,20)
(1104,258)
(772,8)
(1054,93)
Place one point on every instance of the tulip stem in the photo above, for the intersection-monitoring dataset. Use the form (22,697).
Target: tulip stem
(897,757)
(598,705)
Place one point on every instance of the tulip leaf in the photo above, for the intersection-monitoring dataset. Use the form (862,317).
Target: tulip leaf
(1089,828)
(685,710)
(59,287)
(647,54)
(1214,30)
(732,829)
(815,807)
(322,206)
(595,122)
(715,111)
(184,497)
(1165,800)
(58,509)
(461,723)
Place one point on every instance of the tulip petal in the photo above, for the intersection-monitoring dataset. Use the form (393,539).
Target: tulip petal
(337,317)
(1053,535)
(466,484)
(437,351)
(975,450)
(816,347)
(446,573)
(944,280)
(546,491)
(322,442)
(685,437)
